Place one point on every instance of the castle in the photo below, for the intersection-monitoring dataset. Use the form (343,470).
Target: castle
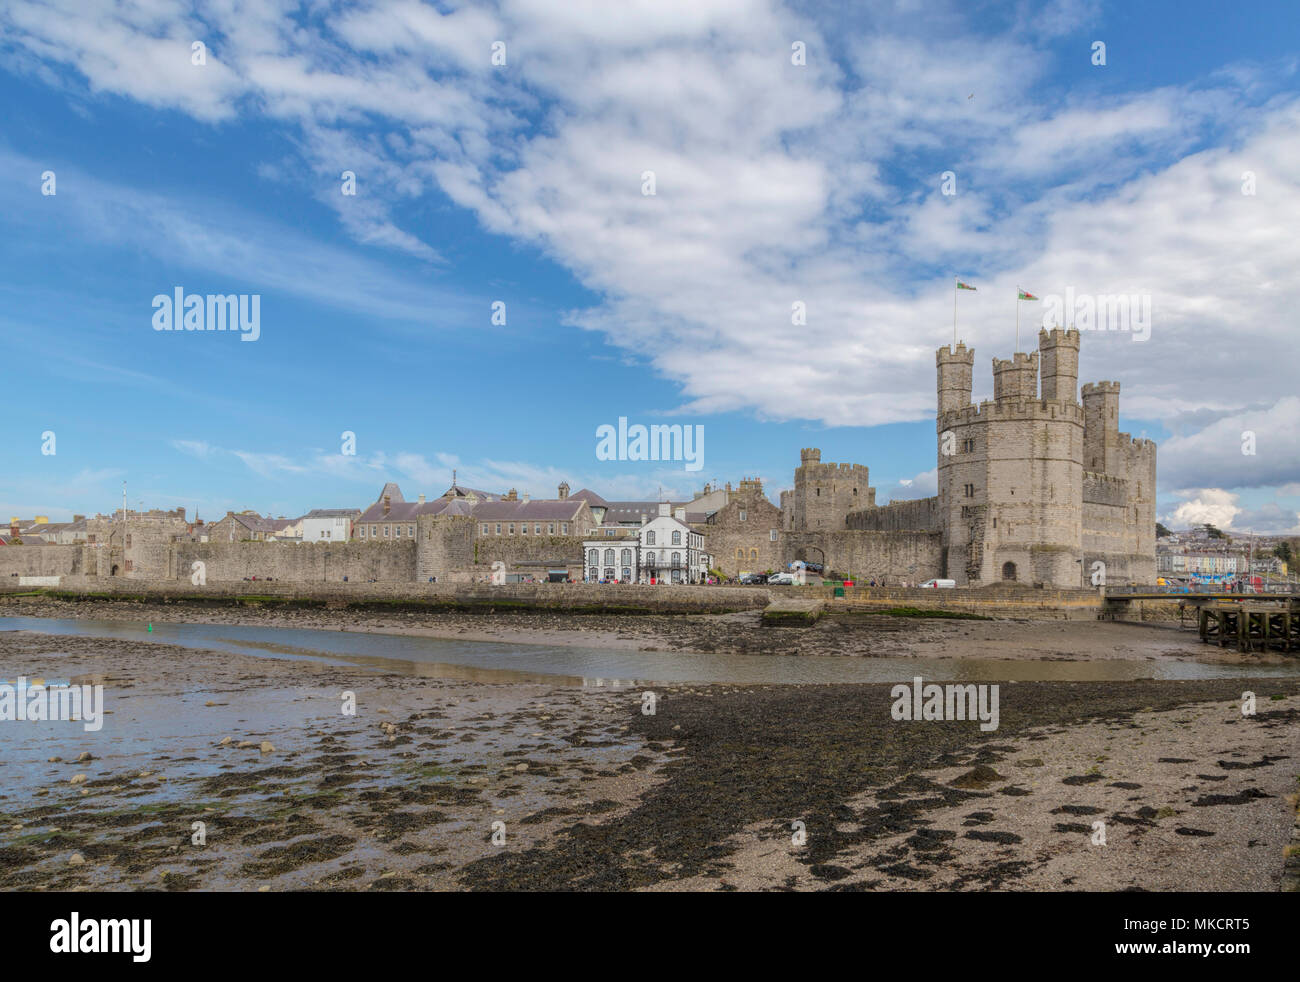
(1034,486)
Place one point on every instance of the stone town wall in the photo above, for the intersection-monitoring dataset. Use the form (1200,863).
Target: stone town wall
(896,557)
(45,560)
(920,515)
(295,562)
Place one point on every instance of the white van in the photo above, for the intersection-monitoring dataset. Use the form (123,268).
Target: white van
(940,584)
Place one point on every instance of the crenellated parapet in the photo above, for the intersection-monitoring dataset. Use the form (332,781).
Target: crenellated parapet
(1016,378)
(1028,409)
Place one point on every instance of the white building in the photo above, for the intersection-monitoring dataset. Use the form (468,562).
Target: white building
(663,549)
(329,524)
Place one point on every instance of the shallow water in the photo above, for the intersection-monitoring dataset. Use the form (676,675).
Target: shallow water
(495,662)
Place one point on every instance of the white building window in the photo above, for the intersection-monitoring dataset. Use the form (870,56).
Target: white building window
(523,529)
(677,538)
(564,528)
(649,538)
(498,528)
(485,530)
(773,535)
(550,529)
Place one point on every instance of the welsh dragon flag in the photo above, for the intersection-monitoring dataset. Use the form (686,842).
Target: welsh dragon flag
(964,286)
(1025,296)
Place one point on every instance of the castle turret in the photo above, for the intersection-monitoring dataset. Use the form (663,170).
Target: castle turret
(955,368)
(1060,364)
(1101,428)
(810,455)
(1016,379)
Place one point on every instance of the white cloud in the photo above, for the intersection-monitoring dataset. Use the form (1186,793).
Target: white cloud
(775,184)
(1212,506)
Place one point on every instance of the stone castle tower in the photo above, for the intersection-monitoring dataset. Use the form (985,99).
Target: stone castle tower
(1034,487)
(824,494)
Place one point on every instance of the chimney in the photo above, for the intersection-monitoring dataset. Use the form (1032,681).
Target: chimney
(387,500)
(512,495)
(680,514)
(665,509)
(421,499)
(564,490)
(78,518)
(527,496)
(230,514)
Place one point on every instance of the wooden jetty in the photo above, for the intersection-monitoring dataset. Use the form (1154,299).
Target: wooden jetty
(1252,625)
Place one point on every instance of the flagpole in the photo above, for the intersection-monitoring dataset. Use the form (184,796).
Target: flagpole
(1017,347)
(954,313)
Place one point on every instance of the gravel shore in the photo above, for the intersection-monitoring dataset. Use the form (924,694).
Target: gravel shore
(593,794)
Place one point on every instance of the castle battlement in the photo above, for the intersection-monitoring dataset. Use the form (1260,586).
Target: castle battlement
(1009,409)
(1019,360)
(1058,336)
(961,354)
(1101,388)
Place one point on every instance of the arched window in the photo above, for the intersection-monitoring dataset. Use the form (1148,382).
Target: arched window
(740,554)
(625,557)
(1008,571)
(593,558)
(677,559)
(627,574)
(753,553)
(677,538)
(609,557)
(649,538)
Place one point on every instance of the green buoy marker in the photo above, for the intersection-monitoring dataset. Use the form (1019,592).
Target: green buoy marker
(151,627)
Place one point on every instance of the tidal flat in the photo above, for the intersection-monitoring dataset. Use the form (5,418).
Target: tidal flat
(223,771)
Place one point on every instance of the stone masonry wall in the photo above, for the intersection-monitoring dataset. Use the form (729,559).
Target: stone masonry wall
(47,560)
(293,562)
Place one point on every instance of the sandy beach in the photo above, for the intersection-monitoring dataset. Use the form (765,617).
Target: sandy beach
(593,794)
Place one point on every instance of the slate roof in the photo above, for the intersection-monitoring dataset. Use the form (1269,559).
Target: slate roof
(590,497)
(542,510)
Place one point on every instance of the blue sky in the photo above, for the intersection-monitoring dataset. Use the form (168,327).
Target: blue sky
(522,183)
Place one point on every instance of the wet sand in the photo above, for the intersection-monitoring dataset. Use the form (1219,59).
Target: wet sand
(596,795)
(856,635)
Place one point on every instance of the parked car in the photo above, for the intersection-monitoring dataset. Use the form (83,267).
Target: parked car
(781,579)
(939,584)
(752,579)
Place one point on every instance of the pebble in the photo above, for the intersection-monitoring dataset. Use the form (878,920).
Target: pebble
(77,859)
(77,779)
(55,760)
(225,741)
(267,747)
(84,755)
